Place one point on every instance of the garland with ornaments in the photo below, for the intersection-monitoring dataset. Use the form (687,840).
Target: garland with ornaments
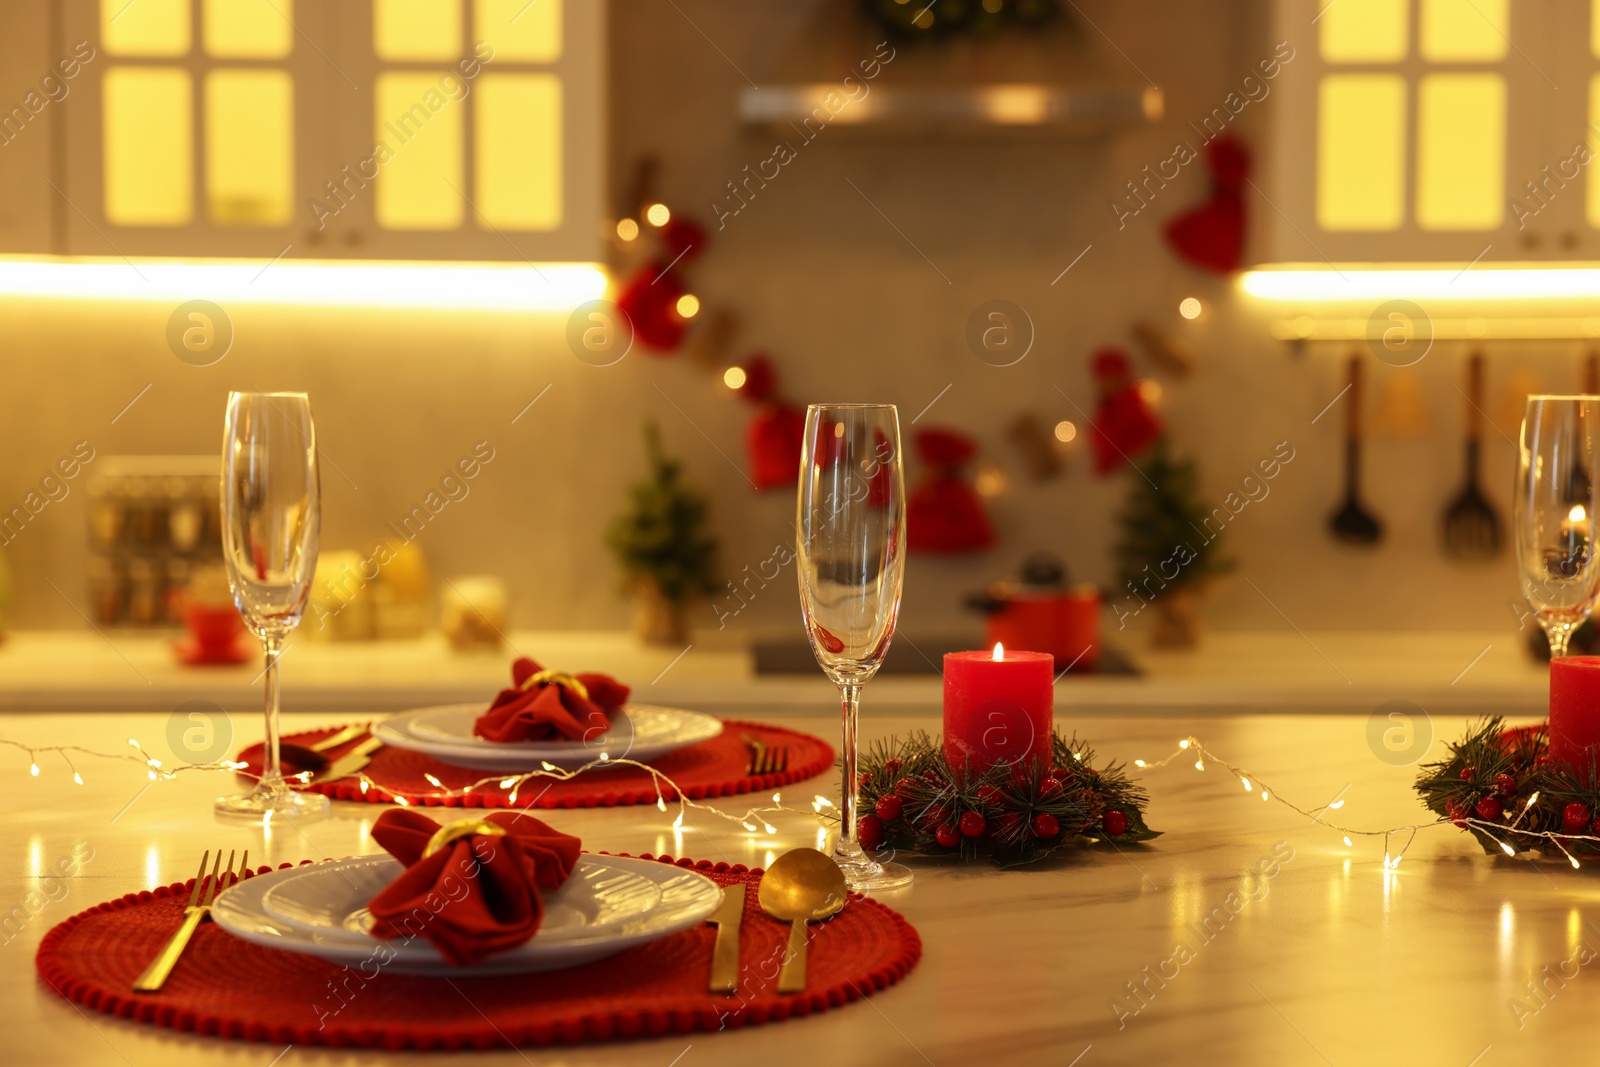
(1503,787)
(1009,813)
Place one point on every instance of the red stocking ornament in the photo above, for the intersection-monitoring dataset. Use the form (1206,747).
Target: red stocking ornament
(944,513)
(1211,236)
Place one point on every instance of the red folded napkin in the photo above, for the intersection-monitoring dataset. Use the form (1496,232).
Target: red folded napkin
(541,705)
(476,895)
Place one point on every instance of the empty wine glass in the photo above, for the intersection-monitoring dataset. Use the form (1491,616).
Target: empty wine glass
(271,517)
(851,539)
(1555,510)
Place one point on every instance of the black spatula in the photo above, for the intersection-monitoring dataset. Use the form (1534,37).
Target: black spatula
(1471,527)
(1351,523)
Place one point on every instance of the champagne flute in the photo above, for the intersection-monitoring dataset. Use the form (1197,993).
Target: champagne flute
(271,518)
(850,539)
(1555,510)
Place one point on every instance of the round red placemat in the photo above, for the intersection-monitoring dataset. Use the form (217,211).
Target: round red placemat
(232,988)
(714,768)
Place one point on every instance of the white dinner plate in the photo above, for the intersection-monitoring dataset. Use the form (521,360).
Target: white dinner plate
(599,897)
(639,731)
(685,899)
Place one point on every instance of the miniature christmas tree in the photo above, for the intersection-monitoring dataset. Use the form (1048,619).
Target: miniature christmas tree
(661,544)
(1169,543)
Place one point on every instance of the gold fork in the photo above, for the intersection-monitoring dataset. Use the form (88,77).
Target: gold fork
(155,975)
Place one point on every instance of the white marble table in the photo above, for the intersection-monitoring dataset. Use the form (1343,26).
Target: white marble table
(1332,960)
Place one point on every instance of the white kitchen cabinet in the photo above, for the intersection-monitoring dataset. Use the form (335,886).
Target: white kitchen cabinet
(1409,131)
(382,129)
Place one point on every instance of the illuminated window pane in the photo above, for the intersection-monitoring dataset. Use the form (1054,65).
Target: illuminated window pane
(417,29)
(260,29)
(1361,145)
(249,147)
(420,126)
(145,27)
(518,151)
(1465,29)
(149,139)
(1461,139)
(524,30)
(1364,31)
(1594,27)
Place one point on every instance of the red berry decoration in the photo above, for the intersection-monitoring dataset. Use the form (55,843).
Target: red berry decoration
(1467,773)
(1504,784)
(1050,789)
(947,835)
(1574,817)
(892,766)
(1006,825)
(1488,808)
(973,823)
(869,832)
(1457,813)
(905,788)
(863,780)
(888,808)
(1114,823)
(1047,826)
(988,794)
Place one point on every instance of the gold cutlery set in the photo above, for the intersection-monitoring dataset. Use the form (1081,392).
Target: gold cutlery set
(801,887)
(204,895)
(764,758)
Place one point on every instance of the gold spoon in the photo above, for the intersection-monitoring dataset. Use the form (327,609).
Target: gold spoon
(801,886)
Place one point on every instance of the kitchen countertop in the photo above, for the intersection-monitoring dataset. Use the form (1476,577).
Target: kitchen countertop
(1296,949)
(1466,673)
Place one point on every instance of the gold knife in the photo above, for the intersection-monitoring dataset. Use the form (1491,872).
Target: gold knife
(725,956)
(349,763)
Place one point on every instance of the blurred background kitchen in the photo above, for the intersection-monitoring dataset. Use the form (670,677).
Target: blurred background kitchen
(1017,220)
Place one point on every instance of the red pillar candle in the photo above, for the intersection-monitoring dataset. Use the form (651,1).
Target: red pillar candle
(1574,709)
(998,708)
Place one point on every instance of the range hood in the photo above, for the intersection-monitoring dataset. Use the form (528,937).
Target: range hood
(1073,110)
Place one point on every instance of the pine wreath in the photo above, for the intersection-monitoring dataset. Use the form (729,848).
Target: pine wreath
(1502,786)
(915,802)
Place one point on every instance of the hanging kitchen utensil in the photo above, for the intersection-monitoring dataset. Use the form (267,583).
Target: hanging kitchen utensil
(1401,410)
(1351,523)
(1471,527)
(1520,384)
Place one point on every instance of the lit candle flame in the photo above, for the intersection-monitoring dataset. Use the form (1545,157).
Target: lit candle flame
(999,652)
(1578,514)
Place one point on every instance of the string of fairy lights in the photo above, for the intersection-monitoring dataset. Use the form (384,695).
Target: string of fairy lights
(1191,747)
(753,820)
(757,819)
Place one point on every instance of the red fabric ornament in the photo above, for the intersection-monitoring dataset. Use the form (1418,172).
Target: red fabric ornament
(650,300)
(544,710)
(477,895)
(1211,236)
(1124,424)
(681,237)
(944,513)
(774,438)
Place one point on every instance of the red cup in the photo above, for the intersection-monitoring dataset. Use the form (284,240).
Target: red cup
(215,628)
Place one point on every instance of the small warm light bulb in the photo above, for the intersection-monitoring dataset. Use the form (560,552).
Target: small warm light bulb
(1578,514)
(999,652)
(1199,765)
(734,377)
(151,773)
(1508,849)
(769,828)
(365,785)
(777,798)
(432,780)
(749,826)
(507,783)
(604,756)
(1574,861)
(1138,763)
(1190,307)
(627,229)
(1265,795)
(678,822)
(1184,743)
(1065,431)
(1246,782)
(132,742)
(688,306)
(1347,842)
(33,769)
(402,801)
(658,214)
(661,803)
(1150,391)
(77,778)
(547,765)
